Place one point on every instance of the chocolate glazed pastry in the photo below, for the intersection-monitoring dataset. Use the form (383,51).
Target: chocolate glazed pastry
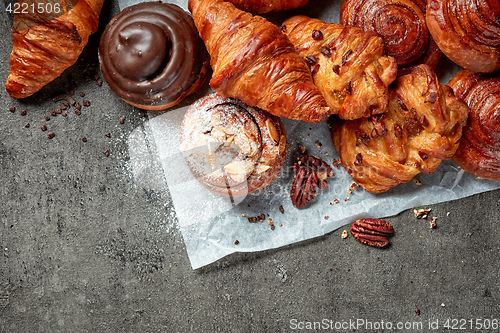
(422,126)
(231,148)
(467,31)
(402,26)
(479,149)
(151,55)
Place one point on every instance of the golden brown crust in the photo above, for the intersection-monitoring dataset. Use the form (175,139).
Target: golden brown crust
(254,62)
(265,6)
(422,126)
(42,49)
(479,150)
(348,66)
(231,148)
(402,26)
(467,31)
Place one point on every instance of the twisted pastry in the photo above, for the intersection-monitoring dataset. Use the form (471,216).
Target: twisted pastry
(45,44)
(231,148)
(254,62)
(402,26)
(422,126)
(479,150)
(467,31)
(265,6)
(151,55)
(348,66)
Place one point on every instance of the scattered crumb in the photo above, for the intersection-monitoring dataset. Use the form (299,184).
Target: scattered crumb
(418,182)
(259,218)
(236,242)
(344,234)
(421,213)
(318,144)
(282,210)
(349,191)
(327,217)
(302,149)
(417,311)
(432,222)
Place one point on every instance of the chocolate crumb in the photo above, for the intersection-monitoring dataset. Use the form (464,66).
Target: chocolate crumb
(44,127)
(106,152)
(99,82)
(122,120)
(51,135)
(82,94)
(12,109)
(27,125)
(78,112)
(282,210)
(108,134)
(47,118)
(236,242)
(86,103)
(259,218)
(417,311)
(63,114)
(66,97)
(84,139)
(23,112)
(78,106)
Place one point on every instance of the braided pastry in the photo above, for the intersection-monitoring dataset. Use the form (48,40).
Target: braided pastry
(401,24)
(45,44)
(348,65)
(231,148)
(265,6)
(422,126)
(479,150)
(254,62)
(467,31)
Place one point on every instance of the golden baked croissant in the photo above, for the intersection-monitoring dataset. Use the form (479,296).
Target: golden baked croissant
(348,65)
(44,46)
(256,63)
(422,126)
(467,31)
(479,149)
(402,26)
(265,6)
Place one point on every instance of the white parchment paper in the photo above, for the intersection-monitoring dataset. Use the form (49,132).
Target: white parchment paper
(213,226)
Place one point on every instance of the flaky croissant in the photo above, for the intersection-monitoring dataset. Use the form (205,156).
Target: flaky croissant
(265,6)
(348,65)
(256,63)
(467,31)
(422,126)
(479,150)
(44,46)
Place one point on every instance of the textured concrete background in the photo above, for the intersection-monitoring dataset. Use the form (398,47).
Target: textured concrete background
(84,248)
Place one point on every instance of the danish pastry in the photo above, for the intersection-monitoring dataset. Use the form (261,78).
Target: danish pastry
(479,149)
(348,66)
(422,126)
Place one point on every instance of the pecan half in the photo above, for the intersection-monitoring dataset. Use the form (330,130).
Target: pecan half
(310,173)
(373,232)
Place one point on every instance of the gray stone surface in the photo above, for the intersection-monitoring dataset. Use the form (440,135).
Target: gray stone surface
(84,248)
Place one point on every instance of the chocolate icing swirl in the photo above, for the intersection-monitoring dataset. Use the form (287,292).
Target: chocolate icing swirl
(151,54)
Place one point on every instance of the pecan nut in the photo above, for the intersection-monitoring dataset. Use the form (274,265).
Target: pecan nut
(373,232)
(310,173)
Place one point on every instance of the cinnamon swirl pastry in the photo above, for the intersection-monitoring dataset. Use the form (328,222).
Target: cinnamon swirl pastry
(349,66)
(402,26)
(231,148)
(479,149)
(422,126)
(151,55)
(467,31)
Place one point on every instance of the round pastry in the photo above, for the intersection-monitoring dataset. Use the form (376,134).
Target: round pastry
(467,31)
(231,148)
(422,126)
(479,149)
(401,24)
(151,56)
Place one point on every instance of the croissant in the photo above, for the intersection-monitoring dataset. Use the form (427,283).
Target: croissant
(422,126)
(45,45)
(256,63)
(232,149)
(402,26)
(467,31)
(348,65)
(479,149)
(265,6)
